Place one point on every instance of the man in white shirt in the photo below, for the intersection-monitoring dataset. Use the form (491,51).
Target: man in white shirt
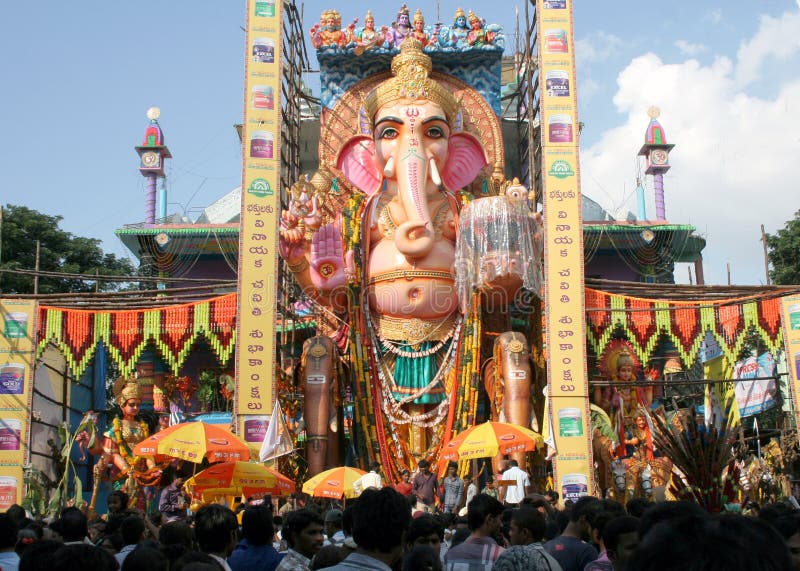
(513,494)
(372,479)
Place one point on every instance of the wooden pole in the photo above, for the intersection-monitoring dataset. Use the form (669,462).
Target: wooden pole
(689,271)
(729,272)
(766,255)
(36,268)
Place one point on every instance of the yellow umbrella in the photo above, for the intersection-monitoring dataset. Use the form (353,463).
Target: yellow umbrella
(490,438)
(194,441)
(235,475)
(334,483)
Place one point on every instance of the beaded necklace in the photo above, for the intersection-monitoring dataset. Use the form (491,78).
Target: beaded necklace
(122,444)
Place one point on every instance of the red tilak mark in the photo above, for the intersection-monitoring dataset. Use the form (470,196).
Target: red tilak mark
(412,112)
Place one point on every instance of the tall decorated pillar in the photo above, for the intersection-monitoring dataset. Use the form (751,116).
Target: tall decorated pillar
(152,153)
(656,153)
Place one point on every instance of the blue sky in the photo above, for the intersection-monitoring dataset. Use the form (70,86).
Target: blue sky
(79,77)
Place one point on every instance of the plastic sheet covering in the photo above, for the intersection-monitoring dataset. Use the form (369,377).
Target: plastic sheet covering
(496,237)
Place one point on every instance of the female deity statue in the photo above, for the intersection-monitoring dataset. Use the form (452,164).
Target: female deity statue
(419,28)
(400,29)
(117,462)
(478,36)
(368,37)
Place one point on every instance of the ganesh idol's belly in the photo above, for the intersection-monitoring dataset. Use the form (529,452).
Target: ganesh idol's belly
(425,290)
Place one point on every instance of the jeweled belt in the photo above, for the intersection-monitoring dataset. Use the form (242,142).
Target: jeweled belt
(409,275)
(416,330)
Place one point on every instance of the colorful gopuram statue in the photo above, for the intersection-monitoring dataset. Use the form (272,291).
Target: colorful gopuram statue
(117,463)
(368,37)
(477,35)
(626,453)
(328,32)
(419,28)
(400,30)
(422,258)
(460,30)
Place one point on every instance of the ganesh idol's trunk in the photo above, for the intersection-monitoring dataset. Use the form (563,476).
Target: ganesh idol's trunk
(318,380)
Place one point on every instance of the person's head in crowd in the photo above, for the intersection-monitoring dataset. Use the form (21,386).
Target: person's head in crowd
(39,556)
(788,525)
(459,536)
(425,530)
(132,530)
(727,542)
(347,521)
(424,466)
(328,556)
(215,530)
(667,511)
(8,532)
(527,526)
(257,526)
(581,515)
(620,538)
(25,539)
(17,514)
(613,507)
(333,522)
(97,529)
(461,522)
(771,512)
(302,530)
(422,558)
(513,463)
(552,497)
(195,561)
(380,522)
(82,557)
(447,519)
(117,502)
(452,468)
(176,533)
(484,515)
(146,559)
(637,506)
(538,502)
(72,525)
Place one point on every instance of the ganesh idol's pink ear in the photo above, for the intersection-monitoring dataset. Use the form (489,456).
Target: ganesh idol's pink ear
(465,159)
(355,160)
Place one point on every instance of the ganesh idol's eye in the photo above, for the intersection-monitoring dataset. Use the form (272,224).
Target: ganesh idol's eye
(388,133)
(435,133)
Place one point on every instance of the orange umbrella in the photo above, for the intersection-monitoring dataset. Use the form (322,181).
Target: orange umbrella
(334,483)
(247,478)
(490,438)
(194,441)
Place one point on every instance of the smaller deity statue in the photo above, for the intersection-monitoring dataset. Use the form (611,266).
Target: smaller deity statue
(400,30)
(419,28)
(368,37)
(460,30)
(478,36)
(328,32)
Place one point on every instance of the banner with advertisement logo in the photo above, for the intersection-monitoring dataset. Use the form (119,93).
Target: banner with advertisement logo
(759,394)
(564,291)
(16,377)
(790,317)
(258,238)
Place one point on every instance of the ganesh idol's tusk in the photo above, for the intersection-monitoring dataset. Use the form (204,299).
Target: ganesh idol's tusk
(388,169)
(435,177)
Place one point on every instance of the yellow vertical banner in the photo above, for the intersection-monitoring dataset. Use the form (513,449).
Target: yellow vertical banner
(16,378)
(258,231)
(564,295)
(790,318)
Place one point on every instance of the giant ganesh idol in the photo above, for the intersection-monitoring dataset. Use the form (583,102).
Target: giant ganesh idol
(411,235)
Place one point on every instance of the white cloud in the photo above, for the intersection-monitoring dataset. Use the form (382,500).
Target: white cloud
(733,167)
(596,47)
(689,49)
(777,38)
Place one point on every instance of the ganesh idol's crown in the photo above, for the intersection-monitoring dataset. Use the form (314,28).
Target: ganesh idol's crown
(411,68)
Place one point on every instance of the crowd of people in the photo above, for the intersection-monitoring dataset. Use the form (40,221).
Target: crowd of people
(421,523)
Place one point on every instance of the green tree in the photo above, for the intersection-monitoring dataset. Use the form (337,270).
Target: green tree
(59,251)
(784,253)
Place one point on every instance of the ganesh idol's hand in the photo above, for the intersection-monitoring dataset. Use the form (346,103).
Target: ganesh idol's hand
(328,271)
(292,242)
